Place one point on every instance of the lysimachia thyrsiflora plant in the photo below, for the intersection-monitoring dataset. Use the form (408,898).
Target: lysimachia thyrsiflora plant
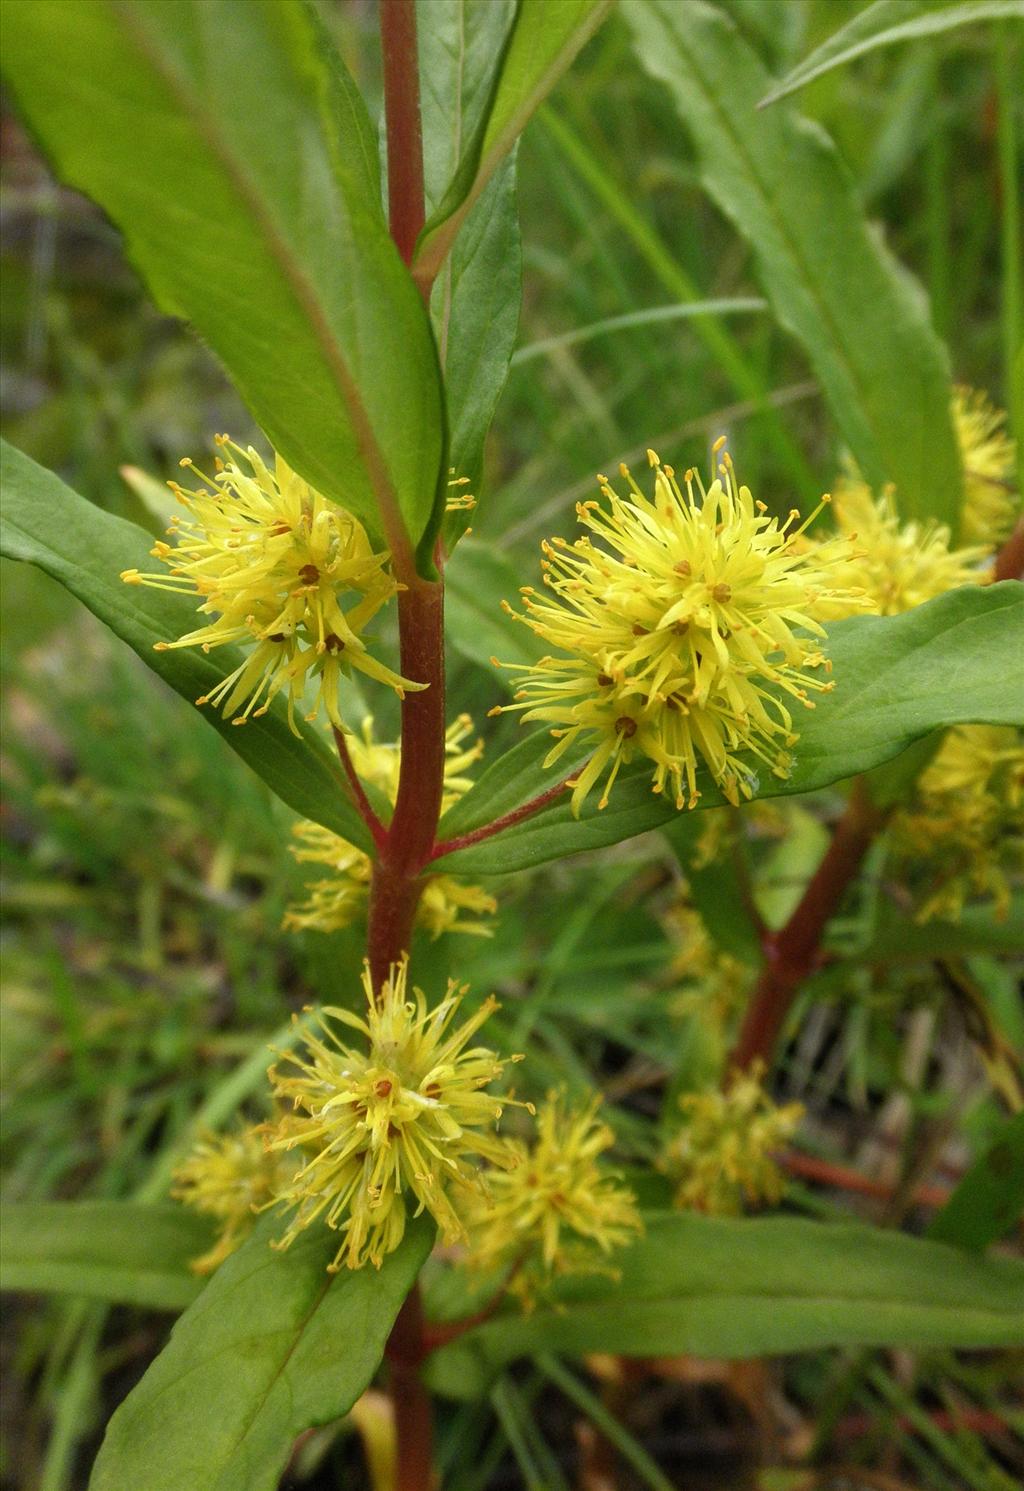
(701,656)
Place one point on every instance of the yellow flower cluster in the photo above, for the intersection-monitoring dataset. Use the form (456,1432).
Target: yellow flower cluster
(990,505)
(281,571)
(899,565)
(723,1153)
(681,634)
(390,1125)
(228,1177)
(715,984)
(963,833)
(555,1209)
(336,901)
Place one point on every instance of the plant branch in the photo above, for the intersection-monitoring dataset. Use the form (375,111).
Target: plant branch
(1009,563)
(507,820)
(363,804)
(791,954)
(406,209)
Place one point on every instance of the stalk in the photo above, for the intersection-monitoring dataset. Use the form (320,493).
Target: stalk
(395,887)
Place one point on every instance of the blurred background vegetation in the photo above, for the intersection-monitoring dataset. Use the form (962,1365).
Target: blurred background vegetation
(146,870)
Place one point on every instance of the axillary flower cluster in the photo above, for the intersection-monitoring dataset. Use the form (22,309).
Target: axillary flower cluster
(396,1122)
(680,633)
(336,900)
(280,570)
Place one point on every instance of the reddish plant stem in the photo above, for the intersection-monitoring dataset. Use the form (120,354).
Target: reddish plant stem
(406,213)
(843,1178)
(395,886)
(508,820)
(1009,563)
(363,804)
(791,954)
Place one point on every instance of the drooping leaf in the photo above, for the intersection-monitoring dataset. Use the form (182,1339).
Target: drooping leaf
(232,149)
(739,1287)
(114,1251)
(989,1200)
(545,38)
(272,1346)
(955,660)
(47,524)
(832,283)
(885,23)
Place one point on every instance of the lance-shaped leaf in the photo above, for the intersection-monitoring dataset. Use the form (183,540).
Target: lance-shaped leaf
(726,1287)
(233,151)
(85,549)
(117,1252)
(831,281)
(475,299)
(545,38)
(272,1346)
(885,23)
(989,1200)
(953,661)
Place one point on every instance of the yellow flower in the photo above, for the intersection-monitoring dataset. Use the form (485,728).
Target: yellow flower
(681,635)
(555,1209)
(723,1153)
(716,983)
(280,570)
(963,834)
(228,1177)
(990,505)
(335,902)
(899,565)
(390,1125)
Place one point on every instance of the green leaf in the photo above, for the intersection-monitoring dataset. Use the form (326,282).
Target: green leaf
(727,1287)
(955,660)
(545,39)
(989,1200)
(477,579)
(895,938)
(832,283)
(272,1346)
(883,24)
(231,148)
(114,1251)
(475,299)
(48,525)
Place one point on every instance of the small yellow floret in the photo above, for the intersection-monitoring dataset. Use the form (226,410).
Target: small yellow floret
(723,1153)
(681,635)
(228,1177)
(555,1209)
(390,1125)
(963,833)
(991,505)
(281,571)
(338,900)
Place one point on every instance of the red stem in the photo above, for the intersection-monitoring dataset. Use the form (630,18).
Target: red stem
(363,804)
(406,211)
(1009,563)
(508,820)
(395,887)
(792,953)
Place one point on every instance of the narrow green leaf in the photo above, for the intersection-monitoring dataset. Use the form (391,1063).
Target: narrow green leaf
(114,1251)
(955,660)
(652,316)
(475,299)
(831,281)
(727,1287)
(883,24)
(232,149)
(477,578)
(272,1346)
(47,524)
(989,1201)
(545,39)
